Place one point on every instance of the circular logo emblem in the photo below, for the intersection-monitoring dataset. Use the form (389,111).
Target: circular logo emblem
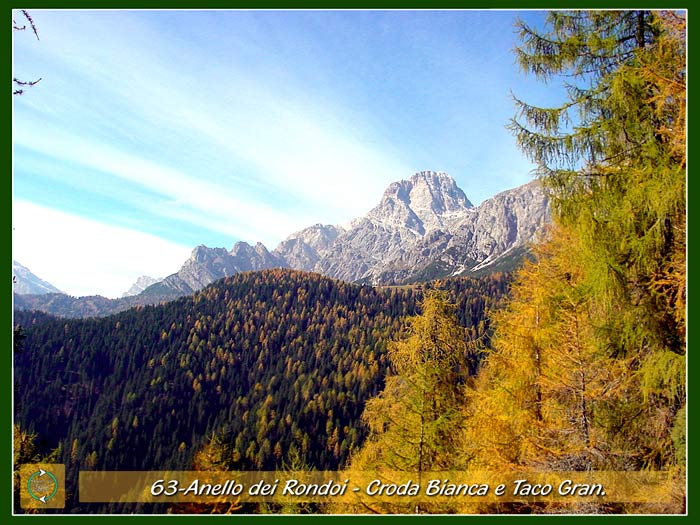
(42,485)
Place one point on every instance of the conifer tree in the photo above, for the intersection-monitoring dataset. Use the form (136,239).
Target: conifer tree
(413,423)
(545,395)
(613,157)
(588,360)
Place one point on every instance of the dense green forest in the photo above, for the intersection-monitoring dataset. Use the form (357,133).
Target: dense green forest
(271,363)
(30,318)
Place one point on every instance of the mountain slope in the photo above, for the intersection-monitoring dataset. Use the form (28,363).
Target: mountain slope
(423,228)
(303,249)
(206,265)
(25,282)
(427,201)
(63,305)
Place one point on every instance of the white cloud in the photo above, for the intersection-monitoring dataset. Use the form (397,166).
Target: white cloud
(85,257)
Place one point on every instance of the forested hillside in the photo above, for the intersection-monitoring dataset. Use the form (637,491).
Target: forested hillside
(271,363)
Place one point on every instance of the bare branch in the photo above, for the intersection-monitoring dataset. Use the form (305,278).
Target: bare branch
(22,83)
(17,27)
(31,23)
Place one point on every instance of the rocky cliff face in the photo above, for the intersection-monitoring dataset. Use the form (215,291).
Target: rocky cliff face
(302,250)
(206,265)
(427,201)
(426,228)
(507,221)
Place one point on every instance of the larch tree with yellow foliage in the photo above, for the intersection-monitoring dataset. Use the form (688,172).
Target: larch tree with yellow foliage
(587,366)
(414,422)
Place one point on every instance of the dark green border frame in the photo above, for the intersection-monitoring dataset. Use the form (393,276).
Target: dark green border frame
(6,468)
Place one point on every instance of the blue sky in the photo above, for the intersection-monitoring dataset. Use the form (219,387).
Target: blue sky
(154,131)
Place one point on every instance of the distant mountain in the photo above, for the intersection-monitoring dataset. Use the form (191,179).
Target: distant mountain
(427,201)
(423,228)
(304,249)
(207,265)
(140,285)
(63,305)
(25,282)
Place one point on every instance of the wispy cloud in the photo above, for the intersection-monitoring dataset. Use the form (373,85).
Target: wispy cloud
(211,205)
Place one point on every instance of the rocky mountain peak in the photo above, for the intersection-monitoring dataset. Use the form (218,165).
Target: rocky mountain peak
(203,253)
(241,248)
(246,257)
(318,236)
(423,228)
(303,249)
(427,201)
